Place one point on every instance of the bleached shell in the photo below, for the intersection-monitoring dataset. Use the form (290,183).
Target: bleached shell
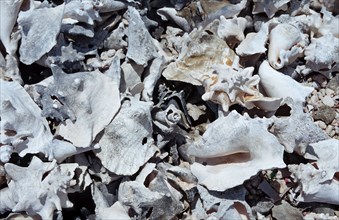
(141,47)
(254,43)
(269,7)
(8,16)
(329,24)
(214,9)
(285,46)
(278,85)
(317,181)
(23,127)
(326,155)
(81,11)
(167,13)
(111,6)
(116,210)
(232,28)
(131,75)
(230,203)
(39,30)
(104,207)
(21,119)
(152,77)
(10,69)
(322,55)
(231,135)
(94,100)
(159,195)
(228,86)
(198,54)
(298,130)
(126,143)
(17,198)
(115,39)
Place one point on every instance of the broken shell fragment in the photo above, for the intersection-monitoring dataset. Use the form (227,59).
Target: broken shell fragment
(322,55)
(39,25)
(317,182)
(92,97)
(124,154)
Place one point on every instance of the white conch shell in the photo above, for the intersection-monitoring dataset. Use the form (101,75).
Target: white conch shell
(240,136)
(198,54)
(317,180)
(322,55)
(286,45)
(276,84)
(228,86)
(270,7)
(126,143)
(8,16)
(45,195)
(39,30)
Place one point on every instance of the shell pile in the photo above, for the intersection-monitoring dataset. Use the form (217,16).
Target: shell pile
(180,109)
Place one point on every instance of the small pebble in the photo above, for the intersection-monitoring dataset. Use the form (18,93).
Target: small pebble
(310,107)
(329,91)
(332,133)
(314,99)
(327,100)
(323,92)
(329,129)
(322,124)
(320,96)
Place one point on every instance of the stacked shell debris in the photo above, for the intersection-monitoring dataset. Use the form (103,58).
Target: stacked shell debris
(180,109)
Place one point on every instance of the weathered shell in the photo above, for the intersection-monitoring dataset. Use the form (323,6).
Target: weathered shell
(276,84)
(286,45)
(39,25)
(322,55)
(235,148)
(124,154)
(228,86)
(202,50)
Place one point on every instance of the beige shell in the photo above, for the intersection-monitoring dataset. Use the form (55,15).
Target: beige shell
(228,86)
(200,51)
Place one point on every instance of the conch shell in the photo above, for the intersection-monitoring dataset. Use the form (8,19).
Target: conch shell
(286,45)
(228,86)
(232,149)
